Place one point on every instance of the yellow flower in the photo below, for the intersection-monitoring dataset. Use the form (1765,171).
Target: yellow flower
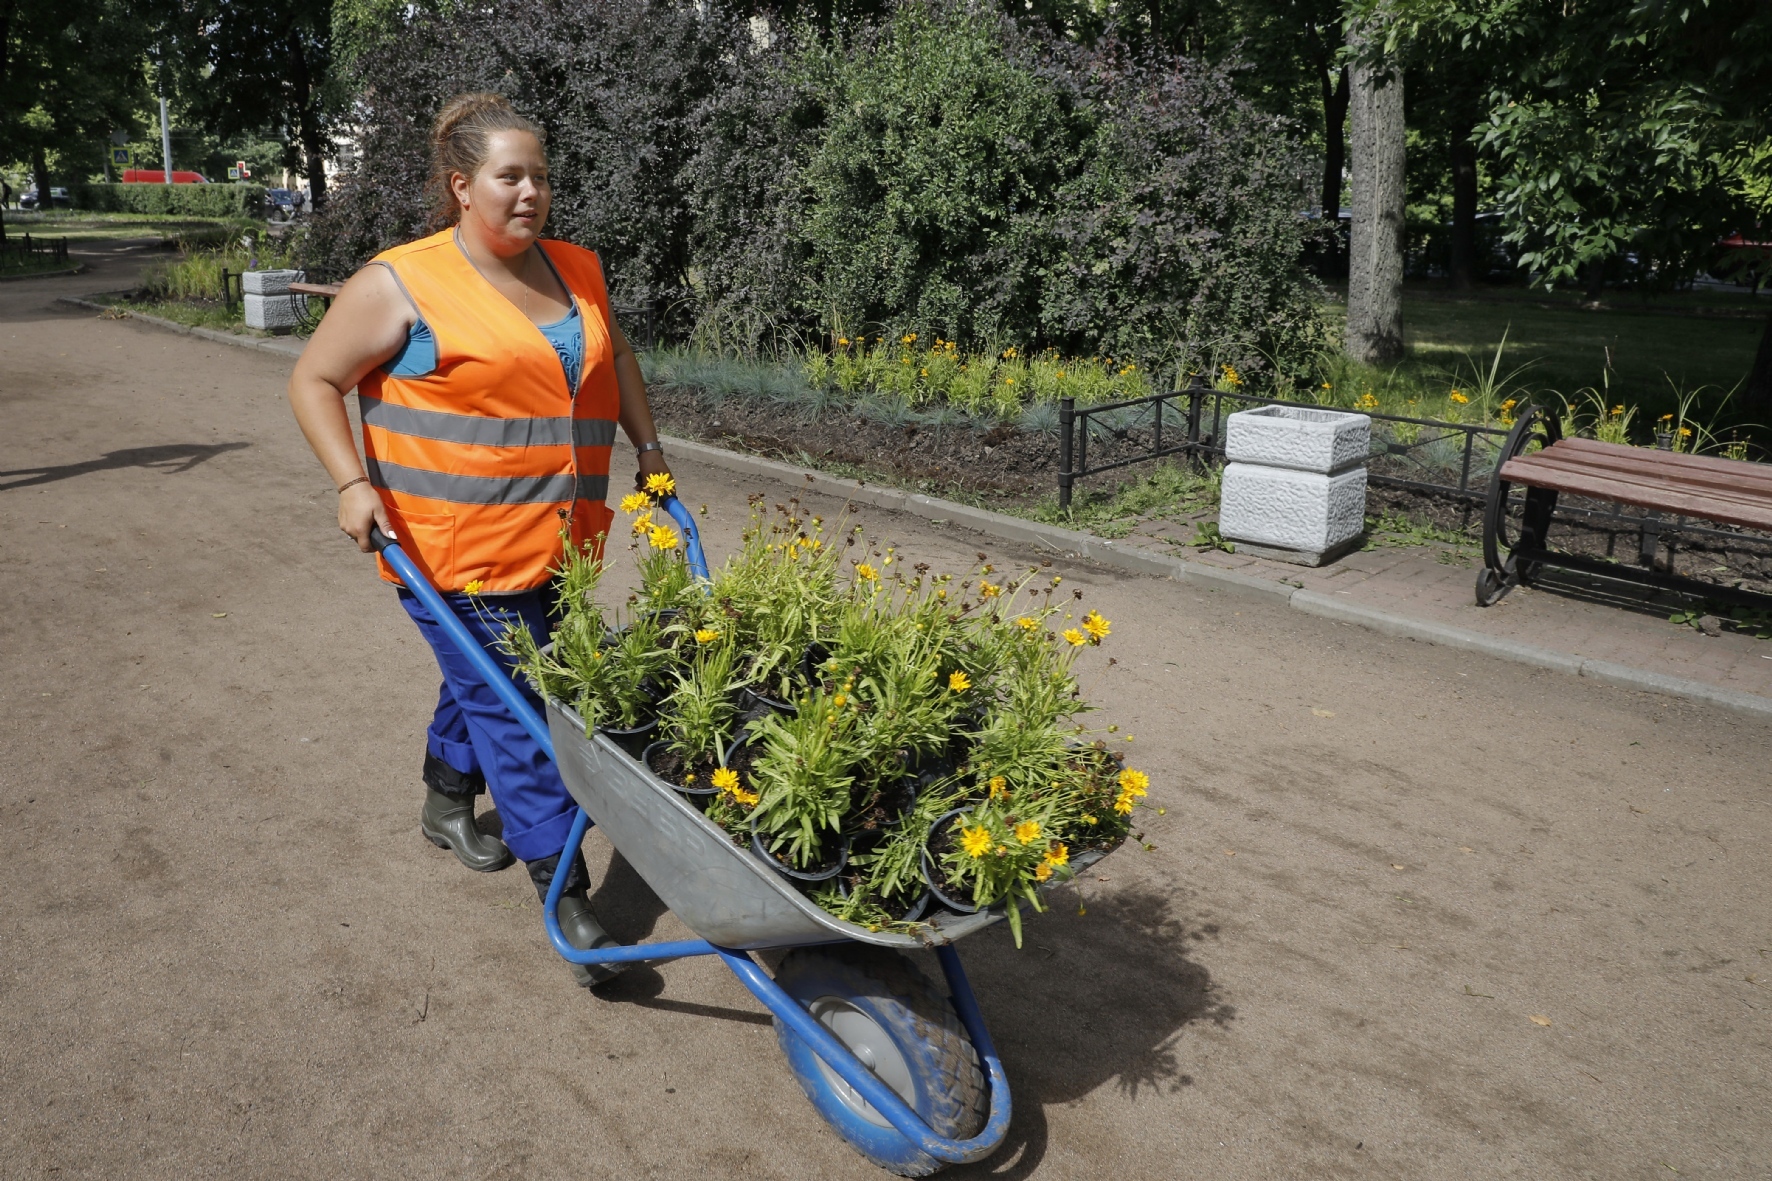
(842,340)
(1074,637)
(474,587)
(999,787)
(1096,626)
(1327,386)
(1089,820)
(840,700)
(725,779)
(1134,782)
(1366,401)
(633,502)
(661,484)
(1231,376)
(1459,398)
(1042,872)
(908,338)
(689,778)
(747,798)
(1027,623)
(976,841)
(1008,381)
(1123,806)
(959,682)
(706,635)
(988,590)
(868,572)
(1028,831)
(642,524)
(662,537)
(1058,854)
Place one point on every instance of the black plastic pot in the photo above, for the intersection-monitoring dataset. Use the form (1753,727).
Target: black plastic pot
(810,660)
(798,875)
(699,796)
(634,740)
(931,872)
(750,699)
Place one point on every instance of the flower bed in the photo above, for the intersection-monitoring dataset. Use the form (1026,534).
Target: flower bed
(893,741)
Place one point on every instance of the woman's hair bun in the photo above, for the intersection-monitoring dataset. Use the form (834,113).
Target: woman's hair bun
(461,139)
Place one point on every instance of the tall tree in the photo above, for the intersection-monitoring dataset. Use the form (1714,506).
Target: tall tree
(1375,240)
(258,67)
(70,74)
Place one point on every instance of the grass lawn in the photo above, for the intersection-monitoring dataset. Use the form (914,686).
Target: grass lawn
(1702,339)
(79,226)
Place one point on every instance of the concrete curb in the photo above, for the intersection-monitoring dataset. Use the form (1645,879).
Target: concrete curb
(283,348)
(76,269)
(1070,543)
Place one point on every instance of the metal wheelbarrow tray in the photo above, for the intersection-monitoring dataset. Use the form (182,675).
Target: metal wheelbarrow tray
(726,894)
(737,904)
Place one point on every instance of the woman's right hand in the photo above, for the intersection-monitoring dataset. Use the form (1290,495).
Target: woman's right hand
(359,508)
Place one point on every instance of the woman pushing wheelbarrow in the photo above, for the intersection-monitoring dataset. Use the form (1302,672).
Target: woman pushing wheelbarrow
(490,376)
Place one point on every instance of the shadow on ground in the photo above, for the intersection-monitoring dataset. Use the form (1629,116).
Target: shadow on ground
(170,459)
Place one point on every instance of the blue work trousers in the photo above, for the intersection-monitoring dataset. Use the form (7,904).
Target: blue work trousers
(474,731)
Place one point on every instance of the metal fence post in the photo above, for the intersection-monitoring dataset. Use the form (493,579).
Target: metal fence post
(227,293)
(1067,418)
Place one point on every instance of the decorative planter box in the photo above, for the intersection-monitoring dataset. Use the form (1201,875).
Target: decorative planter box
(271,313)
(268,282)
(1326,441)
(1304,517)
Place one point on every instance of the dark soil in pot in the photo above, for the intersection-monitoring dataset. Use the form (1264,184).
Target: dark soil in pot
(695,779)
(836,857)
(878,810)
(943,839)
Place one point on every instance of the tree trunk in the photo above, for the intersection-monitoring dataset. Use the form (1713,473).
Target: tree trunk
(40,170)
(312,142)
(1757,397)
(1464,210)
(1334,152)
(1375,240)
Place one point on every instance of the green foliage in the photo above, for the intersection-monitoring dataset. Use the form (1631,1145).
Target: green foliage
(212,200)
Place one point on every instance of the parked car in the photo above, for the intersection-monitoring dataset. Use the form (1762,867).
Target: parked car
(282,203)
(57,197)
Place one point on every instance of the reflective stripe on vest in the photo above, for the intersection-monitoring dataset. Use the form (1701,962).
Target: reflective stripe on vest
(484,461)
(486,432)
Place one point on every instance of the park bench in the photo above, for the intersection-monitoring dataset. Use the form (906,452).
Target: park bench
(1663,483)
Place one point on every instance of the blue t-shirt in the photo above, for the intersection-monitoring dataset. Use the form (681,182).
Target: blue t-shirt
(418,356)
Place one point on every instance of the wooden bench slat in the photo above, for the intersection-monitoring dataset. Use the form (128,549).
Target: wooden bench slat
(1749,515)
(1705,469)
(1549,467)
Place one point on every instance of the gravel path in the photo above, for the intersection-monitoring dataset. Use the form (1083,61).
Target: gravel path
(1411,913)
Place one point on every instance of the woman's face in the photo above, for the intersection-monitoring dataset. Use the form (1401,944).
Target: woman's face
(508,198)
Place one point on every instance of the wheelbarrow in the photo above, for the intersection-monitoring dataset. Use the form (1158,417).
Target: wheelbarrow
(908,1076)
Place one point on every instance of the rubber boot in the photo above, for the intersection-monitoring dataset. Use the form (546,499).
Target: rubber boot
(448,818)
(577,923)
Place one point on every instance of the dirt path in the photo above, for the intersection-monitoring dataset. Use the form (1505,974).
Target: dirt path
(226,951)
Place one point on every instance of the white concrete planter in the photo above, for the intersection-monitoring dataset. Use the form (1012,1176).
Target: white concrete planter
(1306,517)
(1305,440)
(272,313)
(268,282)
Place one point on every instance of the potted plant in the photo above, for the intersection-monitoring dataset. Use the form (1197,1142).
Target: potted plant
(803,782)
(697,719)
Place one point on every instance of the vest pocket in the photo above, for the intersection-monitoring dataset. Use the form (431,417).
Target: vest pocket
(429,539)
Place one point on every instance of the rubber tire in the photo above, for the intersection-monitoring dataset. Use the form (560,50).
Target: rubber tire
(948,1085)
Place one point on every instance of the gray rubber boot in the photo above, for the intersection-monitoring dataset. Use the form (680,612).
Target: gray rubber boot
(577,923)
(448,822)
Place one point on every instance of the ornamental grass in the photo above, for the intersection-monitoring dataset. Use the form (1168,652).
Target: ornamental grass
(910,739)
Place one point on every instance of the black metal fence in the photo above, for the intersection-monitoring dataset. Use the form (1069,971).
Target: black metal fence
(1421,454)
(17,254)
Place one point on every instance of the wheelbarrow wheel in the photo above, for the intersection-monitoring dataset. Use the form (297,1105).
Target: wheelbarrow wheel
(889,1015)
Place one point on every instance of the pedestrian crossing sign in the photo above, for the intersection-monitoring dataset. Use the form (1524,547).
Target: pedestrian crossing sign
(122,157)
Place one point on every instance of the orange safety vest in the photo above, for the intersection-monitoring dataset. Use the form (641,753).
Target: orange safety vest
(482,461)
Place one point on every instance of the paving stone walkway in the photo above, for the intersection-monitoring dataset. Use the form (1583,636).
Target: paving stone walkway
(1570,612)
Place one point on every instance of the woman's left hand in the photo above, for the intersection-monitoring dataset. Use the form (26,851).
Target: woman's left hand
(652,463)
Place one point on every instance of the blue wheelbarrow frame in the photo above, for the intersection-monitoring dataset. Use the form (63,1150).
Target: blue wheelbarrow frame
(788,1011)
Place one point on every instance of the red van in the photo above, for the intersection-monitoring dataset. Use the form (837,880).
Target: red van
(157,176)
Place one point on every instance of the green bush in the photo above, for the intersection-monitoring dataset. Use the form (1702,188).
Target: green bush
(225,200)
